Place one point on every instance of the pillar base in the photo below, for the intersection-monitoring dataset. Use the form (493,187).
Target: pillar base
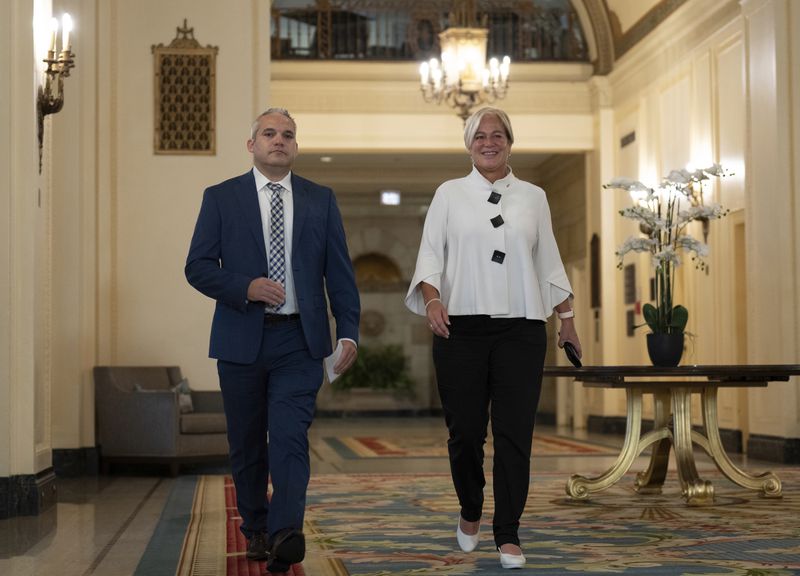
(27,494)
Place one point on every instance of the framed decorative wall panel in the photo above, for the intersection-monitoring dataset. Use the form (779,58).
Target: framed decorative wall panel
(185,95)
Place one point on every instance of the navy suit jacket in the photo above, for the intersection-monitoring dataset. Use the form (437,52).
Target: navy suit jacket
(228,251)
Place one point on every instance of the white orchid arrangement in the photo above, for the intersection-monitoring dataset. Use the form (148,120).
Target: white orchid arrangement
(664,214)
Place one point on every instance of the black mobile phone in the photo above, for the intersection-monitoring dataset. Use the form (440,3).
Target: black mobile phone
(572,355)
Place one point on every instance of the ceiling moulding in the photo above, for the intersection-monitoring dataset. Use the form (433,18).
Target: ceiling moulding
(600,33)
(361,71)
(646,24)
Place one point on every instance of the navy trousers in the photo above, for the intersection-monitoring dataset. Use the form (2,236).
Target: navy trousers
(491,367)
(272,398)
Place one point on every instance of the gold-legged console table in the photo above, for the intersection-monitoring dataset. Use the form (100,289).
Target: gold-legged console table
(672,389)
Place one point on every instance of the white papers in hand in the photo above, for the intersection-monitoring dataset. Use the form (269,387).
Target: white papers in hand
(330,362)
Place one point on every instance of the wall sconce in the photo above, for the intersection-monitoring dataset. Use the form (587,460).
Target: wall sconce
(50,98)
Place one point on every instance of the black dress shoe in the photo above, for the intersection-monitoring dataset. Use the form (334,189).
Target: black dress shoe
(277,567)
(257,548)
(286,547)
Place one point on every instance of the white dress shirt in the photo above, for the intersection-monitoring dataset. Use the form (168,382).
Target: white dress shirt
(459,240)
(264,196)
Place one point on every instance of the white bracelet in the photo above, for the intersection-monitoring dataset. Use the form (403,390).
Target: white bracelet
(567,314)
(429,301)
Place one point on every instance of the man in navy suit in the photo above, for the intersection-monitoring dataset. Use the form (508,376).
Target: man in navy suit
(267,247)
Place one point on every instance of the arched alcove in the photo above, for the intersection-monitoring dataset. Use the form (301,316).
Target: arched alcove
(377,273)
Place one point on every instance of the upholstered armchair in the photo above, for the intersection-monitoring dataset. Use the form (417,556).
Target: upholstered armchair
(148,414)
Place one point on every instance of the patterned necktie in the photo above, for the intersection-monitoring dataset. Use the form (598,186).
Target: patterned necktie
(277,248)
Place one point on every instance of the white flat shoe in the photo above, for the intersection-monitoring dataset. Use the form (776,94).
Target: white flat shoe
(467,542)
(511,561)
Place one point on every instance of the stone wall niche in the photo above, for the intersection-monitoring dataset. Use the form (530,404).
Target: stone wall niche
(384,321)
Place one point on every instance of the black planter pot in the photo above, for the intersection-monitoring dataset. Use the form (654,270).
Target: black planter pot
(665,349)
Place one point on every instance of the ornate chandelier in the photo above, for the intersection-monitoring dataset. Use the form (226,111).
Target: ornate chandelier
(463,79)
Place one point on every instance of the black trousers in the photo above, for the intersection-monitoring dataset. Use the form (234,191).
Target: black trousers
(491,367)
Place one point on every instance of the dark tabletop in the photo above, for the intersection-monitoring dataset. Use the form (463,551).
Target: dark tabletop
(716,373)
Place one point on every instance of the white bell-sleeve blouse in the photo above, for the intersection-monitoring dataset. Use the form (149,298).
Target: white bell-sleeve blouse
(461,245)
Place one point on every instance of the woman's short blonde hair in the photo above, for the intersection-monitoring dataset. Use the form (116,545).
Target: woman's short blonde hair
(472,123)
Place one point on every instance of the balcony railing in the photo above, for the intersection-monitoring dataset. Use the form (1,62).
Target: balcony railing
(526,30)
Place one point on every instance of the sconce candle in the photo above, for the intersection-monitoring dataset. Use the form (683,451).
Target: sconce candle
(66,27)
(53,34)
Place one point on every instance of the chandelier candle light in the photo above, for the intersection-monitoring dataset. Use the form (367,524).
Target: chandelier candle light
(462,79)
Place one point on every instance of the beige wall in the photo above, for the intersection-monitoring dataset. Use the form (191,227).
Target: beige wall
(7,38)
(154,316)
(122,217)
(71,168)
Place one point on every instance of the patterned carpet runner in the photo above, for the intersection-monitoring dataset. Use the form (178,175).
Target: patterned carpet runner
(403,524)
(355,447)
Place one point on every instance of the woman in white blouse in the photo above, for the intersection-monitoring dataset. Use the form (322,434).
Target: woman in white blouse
(488,276)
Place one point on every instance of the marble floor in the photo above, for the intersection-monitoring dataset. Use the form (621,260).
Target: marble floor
(102,524)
